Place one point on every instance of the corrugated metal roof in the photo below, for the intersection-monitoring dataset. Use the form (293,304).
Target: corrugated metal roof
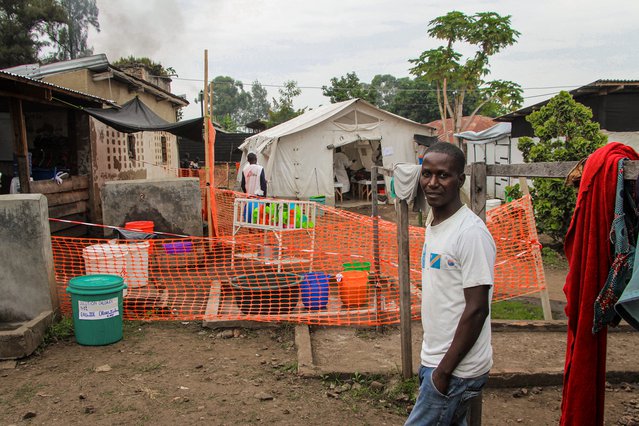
(71,92)
(593,87)
(98,63)
(36,71)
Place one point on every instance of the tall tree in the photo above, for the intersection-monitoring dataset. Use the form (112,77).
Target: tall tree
(349,87)
(230,99)
(385,87)
(282,109)
(22,25)
(455,76)
(415,99)
(566,132)
(70,37)
(259,105)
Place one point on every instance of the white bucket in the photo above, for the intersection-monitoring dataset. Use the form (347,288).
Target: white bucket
(492,203)
(130,261)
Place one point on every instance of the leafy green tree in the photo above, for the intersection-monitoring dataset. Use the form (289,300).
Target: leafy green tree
(22,25)
(230,98)
(259,104)
(454,76)
(228,124)
(70,37)
(385,86)
(349,87)
(282,109)
(414,99)
(566,133)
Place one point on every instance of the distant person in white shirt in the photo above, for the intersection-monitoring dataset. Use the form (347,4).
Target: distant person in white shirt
(340,163)
(458,259)
(253,177)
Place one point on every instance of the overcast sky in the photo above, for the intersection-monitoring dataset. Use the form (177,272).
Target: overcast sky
(563,43)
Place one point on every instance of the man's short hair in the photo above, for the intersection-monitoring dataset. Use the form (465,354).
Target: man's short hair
(251,157)
(459,160)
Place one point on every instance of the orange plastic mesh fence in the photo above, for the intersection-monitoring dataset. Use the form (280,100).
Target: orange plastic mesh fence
(282,260)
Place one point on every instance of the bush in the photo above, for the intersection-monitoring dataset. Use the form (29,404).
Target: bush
(566,133)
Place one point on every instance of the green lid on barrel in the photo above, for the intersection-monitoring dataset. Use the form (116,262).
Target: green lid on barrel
(96,282)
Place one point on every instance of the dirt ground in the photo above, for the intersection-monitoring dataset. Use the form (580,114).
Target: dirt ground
(169,373)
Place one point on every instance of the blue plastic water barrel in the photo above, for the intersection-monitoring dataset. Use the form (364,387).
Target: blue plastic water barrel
(314,290)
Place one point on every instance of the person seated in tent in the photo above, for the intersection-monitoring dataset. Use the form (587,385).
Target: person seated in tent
(340,163)
(253,177)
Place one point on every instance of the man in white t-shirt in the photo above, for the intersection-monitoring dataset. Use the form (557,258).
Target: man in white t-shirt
(458,260)
(253,178)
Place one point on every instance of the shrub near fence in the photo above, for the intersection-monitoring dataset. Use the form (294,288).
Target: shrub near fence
(264,275)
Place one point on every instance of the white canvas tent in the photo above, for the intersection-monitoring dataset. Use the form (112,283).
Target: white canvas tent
(298,154)
(492,146)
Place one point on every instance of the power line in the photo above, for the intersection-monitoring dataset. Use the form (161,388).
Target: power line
(369,87)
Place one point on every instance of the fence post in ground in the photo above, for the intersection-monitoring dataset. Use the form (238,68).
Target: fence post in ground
(376,260)
(478,185)
(404,291)
(543,294)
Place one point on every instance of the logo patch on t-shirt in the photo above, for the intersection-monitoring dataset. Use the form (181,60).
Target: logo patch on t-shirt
(435,260)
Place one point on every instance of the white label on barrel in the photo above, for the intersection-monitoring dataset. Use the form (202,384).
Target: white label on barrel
(98,309)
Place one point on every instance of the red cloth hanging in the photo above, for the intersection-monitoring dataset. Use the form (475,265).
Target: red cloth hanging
(589,254)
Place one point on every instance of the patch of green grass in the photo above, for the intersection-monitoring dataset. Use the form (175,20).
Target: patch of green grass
(516,310)
(553,259)
(58,331)
(289,367)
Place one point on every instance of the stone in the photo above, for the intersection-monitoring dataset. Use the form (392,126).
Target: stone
(29,415)
(264,396)
(102,368)
(89,409)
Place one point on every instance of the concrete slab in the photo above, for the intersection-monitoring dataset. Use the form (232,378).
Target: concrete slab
(24,340)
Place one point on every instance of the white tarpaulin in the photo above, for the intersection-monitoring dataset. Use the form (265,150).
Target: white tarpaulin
(298,155)
(492,134)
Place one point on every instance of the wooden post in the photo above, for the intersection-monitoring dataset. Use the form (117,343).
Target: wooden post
(478,189)
(478,183)
(207,148)
(543,294)
(376,258)
(404,291)
(20,146)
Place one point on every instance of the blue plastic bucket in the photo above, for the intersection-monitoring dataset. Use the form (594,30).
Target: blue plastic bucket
(314,289)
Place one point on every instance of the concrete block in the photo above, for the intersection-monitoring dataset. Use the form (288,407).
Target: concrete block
(26,258)
(24,340)
(173,204)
